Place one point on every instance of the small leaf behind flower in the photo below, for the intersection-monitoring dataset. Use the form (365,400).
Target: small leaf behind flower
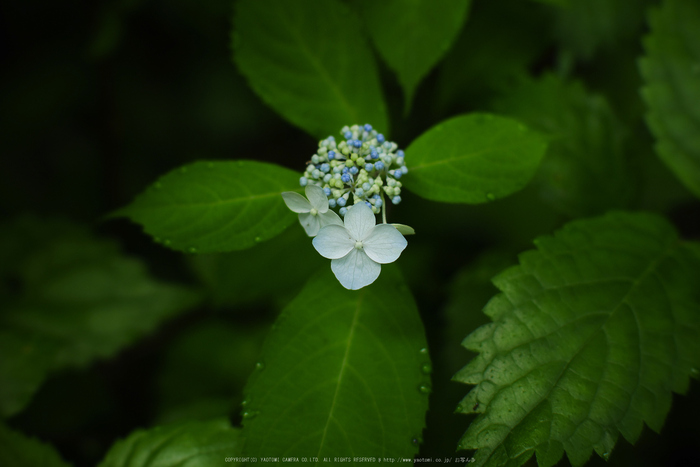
(404,229)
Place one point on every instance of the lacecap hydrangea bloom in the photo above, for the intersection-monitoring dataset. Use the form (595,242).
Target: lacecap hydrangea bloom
(359,175)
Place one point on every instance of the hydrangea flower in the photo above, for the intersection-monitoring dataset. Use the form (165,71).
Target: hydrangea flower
(359,247)
(314,212)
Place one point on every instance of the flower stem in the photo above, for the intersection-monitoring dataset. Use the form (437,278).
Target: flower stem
(383,207)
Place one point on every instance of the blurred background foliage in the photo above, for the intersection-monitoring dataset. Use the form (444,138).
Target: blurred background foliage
(101,98)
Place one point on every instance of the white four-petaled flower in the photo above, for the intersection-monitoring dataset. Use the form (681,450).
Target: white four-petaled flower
(358,248)
(314,212)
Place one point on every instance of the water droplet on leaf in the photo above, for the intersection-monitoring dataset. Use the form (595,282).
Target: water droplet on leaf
(259,366)
(490,196)
(258,239)
(426,369)
(245,402)
(423,351)
(250,414)
(694,372)
(424,389)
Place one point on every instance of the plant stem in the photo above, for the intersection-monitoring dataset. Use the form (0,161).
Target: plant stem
(383,207)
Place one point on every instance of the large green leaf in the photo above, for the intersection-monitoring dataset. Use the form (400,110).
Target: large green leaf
(188,444)
(310,62)
(473,159)
(413,36)
(585,171)
(208,207)
(17,450)
(671,71)
(592,333)
(343,373)
(80,299)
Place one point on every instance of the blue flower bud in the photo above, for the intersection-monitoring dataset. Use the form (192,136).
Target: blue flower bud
(369,167)
(345,169)
(303,181)
(380,138)
(327,191)
(353,170)
(343,210)
(399,161)
(327,178)
(373,152)
(399,153)
(366,186)
(341,201)
(345,178)
(404,170)
(397,174)
(315,159)
(331,202)
(357,143)
(359,192)
(368,127)
(348,134)
(396,199)
(378,203)
(325,168)
(316,173)
(369,205)
(379,165)
(331,155)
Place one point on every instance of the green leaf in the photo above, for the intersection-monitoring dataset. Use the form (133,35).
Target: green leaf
(583,27)
(342,373)
(80,300)
(585,171)
(413,36)
(473,159)
(592,333)
(17,450)
(191,444)
(208,207)
(309,61)
(671,71)
(292,255)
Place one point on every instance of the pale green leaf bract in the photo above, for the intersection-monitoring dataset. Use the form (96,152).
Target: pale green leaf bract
(18,450)
(190,444)
(309,60)
(412,37)
(591,334)
(473,159)
(342,373)
(671,71)
(208,207)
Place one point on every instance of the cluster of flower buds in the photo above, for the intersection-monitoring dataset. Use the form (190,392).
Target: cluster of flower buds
(363,165)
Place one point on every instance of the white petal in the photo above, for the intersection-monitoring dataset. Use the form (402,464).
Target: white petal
(330,218)
(359,220)
(333,241)
(317,197)
(310,223)
(384,244)
(296,202)
(355,270)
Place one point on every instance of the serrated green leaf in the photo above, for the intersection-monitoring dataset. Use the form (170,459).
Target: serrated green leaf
(80,300)
(671,71)
(413,36)
(343,373)
(243,277)
(473,159)
(592,333)
(17,450)
(208,207)
(309,61)
(187,444)
(585,171)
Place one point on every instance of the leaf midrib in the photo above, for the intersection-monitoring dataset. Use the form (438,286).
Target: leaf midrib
(464,156)
(343,366)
